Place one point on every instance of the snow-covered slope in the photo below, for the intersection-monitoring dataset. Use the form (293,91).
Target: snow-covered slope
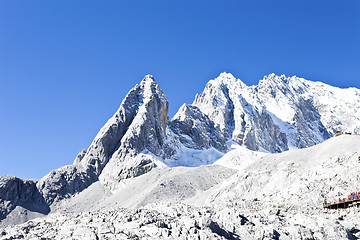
(327,170)
(273,196)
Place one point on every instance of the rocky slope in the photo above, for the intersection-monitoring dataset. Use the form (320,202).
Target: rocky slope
(269,196)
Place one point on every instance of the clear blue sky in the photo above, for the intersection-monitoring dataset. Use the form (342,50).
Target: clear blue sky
(65,66)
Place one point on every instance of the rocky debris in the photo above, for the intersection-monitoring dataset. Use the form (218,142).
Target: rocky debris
(128,168)
(275,196)
(165,185)
(180,222)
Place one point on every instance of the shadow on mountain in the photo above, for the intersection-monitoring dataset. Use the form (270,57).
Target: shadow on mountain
(24,193)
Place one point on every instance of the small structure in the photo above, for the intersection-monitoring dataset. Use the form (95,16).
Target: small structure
(353,200)
(337,133)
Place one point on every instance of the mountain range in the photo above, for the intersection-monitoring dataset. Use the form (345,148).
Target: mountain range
(241,134)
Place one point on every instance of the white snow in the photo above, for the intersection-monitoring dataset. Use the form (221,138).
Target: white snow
(194,158)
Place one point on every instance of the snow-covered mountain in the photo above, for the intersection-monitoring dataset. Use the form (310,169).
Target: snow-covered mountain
(130,162)
(280,112)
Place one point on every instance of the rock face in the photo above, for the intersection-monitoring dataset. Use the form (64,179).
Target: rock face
(292,104)
(65,181)
(139,124)
(147,131)
(238,113)
(280,112)
(17,192)
(195,130)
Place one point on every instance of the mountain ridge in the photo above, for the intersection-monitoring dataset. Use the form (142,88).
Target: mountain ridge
(278,114)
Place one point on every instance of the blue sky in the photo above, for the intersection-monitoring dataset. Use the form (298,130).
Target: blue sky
(65,66)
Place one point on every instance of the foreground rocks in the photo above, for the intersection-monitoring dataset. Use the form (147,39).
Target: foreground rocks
(184,222)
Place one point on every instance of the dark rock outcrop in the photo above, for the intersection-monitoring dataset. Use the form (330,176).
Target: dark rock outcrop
(17,192)
(195,130)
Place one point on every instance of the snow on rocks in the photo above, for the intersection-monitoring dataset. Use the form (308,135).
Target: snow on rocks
(279,113)
(181,221)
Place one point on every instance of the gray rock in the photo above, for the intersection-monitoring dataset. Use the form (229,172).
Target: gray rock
(139,124)
(307,121)
(280,112)
(65,181)
(239,119)
(17,192)
(195,130)
(80,156)
(260,132)
(147,132)
(295,94)
(217,104)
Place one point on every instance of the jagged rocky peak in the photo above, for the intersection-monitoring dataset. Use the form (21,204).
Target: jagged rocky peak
(79,157)
(225,76)
(294,109)
(146,132)
(153,90)
(228,80)
(278,114)
(216,103)
(195,130)
(275,85)
(239,114)
(140,123)
(146,96)
(273,78)
(149,125)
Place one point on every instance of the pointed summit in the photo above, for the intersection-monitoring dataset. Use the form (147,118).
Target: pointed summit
(228,79)
(225,75)
(146,130)
(148,79)
(139,124)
